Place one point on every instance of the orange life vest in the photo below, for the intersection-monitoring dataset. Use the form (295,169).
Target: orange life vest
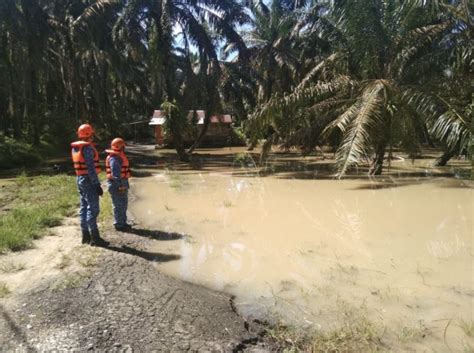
(78,157)
(125,170)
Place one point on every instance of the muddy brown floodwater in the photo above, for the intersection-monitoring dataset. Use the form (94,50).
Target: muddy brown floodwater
(324,253)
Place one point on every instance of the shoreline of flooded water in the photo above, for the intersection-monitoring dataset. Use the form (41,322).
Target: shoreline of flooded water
(318,253)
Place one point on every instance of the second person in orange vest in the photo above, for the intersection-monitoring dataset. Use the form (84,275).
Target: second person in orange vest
(118,173)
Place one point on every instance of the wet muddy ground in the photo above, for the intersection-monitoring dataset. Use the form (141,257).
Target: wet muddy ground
(292,243)
(117,300)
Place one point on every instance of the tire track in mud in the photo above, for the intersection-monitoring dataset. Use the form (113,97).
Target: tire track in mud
(126,304)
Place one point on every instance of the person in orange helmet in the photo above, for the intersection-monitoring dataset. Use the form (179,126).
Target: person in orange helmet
(86,165)
(118,172)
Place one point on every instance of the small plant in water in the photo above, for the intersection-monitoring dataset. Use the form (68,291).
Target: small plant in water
(467,327)
(244,160)
(358,335)
(410,333)
(177,181)
(188,239)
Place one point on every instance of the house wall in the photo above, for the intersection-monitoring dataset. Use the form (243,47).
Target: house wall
(218,134)
(159,135)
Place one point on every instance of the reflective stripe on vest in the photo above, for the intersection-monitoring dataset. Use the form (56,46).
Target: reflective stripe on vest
(124,171)
(78,160)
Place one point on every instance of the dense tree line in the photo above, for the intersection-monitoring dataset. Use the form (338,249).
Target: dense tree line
(362,76)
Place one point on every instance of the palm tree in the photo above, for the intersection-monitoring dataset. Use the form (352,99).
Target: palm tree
(23,37)
(363,89)
(164,30)
(274,60)
(447,102)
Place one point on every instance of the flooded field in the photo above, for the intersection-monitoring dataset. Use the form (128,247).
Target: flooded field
(324,253)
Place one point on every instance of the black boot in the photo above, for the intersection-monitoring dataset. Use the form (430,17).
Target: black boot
(97,240)
(123,228)
(86,237)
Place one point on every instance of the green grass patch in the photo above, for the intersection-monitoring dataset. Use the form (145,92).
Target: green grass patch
(40,202)
(106,212)
(4,291)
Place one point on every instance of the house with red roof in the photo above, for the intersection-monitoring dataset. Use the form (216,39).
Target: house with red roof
(219,132)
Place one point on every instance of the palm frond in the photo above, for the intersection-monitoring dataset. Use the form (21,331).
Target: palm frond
(343,120)
(316,70)
(314,93)
(461,11)
(419,39)
(422,103)
(355,139)
(453,128)
(92,13)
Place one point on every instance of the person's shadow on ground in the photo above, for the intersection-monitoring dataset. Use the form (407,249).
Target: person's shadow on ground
(147,255)
(155,234)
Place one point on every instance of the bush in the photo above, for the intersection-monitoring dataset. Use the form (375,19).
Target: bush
(15,153)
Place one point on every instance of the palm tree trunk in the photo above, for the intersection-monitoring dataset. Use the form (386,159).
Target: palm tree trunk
(179,146)
(165,34)
(202,133)
(33,107)
(13,105)
(212,102)
(377,163)
(446,156)
(428,139)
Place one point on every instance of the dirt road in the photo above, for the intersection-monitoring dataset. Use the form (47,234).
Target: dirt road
(122,302)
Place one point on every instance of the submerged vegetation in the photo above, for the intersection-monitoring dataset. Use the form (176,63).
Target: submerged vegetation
(364,77)
(359,335)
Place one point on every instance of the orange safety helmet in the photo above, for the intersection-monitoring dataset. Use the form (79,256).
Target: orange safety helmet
(117,144)
(85,131)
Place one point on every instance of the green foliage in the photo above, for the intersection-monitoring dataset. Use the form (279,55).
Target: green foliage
(40,203)
(381,83)
(18,154)
(15,153)
(301,70)
(176,121)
